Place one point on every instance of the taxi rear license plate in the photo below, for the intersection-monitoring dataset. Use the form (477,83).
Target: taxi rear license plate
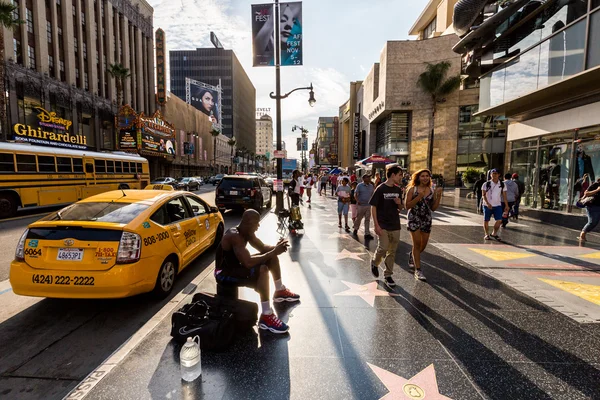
(68,254)
(233,192)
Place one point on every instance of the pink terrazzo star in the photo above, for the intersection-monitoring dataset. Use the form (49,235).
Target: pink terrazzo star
(421,386)
(366,292)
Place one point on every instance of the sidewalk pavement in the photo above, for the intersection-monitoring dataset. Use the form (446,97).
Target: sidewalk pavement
(493,321)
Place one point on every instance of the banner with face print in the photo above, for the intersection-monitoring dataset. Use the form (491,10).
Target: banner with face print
(290,30)
(263,28)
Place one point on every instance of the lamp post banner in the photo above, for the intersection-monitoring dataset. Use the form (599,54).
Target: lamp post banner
(263,39)
(291,33)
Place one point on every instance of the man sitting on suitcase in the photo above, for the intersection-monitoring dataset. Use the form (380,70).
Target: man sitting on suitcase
(236,267)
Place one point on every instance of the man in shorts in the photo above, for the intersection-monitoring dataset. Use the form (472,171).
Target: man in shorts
(235,266)
(494,194)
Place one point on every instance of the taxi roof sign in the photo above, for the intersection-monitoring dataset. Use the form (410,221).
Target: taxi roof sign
(168,188)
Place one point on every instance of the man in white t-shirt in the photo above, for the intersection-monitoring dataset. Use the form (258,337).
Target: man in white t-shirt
(494,194)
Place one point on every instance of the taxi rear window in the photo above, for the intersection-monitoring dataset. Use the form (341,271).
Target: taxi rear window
(120,213)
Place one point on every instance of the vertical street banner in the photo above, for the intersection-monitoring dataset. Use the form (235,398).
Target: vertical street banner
(263,38)
(356,142)
(290,16)
(161,85)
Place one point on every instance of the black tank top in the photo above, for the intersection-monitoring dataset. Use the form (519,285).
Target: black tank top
(226,260)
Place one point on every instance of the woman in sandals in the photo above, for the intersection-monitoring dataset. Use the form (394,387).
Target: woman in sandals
(421,201)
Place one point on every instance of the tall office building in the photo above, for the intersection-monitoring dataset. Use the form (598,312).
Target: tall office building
(327,141)
(264,136)
(57,60)
(238,100)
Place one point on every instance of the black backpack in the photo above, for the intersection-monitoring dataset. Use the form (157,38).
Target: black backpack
(215,328)
(245,313)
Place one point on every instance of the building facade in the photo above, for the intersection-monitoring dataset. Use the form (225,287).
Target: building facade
(542,74)
(220,66)
(264,136)
(327,142)
(351,142)
(57,61)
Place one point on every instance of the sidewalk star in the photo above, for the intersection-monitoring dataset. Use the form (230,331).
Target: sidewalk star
(421,386)
(338,236)
(348,254)
(366,292)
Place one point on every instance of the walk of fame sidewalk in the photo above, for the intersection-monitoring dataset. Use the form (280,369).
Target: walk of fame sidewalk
(463,334)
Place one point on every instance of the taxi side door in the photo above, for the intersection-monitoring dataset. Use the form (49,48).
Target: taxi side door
(183,228)
(201,212)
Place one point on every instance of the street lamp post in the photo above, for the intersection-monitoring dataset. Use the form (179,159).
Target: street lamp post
(302,148)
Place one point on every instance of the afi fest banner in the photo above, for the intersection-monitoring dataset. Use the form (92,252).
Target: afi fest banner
(263,27)
(290,17)
(290,34)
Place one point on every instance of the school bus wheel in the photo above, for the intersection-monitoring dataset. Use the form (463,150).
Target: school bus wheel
(8,205)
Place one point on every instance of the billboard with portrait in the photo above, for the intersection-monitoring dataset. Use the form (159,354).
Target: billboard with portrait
(206,98)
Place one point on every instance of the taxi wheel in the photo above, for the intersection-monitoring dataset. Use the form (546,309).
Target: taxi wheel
(218,236)
(166,278)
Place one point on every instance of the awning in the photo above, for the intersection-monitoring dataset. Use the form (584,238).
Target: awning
(375,159)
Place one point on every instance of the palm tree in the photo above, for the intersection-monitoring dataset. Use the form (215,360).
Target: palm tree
(231,142)
(8,21)
(434,83)
(215,134)
(120,73)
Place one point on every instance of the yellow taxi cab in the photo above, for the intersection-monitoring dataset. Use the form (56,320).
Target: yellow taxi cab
(115,244)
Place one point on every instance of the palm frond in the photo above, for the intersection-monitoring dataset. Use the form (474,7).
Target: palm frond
(7,15)
(449,86)
(433,81)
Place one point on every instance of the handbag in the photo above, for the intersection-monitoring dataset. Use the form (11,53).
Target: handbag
(586,201)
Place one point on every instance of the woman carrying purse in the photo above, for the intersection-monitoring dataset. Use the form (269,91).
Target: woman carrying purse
(592,209)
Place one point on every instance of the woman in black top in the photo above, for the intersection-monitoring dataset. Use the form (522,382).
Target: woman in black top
(592,209)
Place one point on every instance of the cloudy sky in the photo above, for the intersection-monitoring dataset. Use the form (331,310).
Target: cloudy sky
(342,40)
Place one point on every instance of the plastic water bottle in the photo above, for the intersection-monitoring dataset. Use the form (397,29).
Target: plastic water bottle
(189,359)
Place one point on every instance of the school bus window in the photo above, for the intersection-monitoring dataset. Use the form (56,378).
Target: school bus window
(110,167)
(139,168)
(7,162)
(78,165)
(46,164)
(118,167)
(100,166)
(89,168)
(64,164)
(26,163)
(126,167)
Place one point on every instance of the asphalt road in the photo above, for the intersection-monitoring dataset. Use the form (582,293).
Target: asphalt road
(49,345)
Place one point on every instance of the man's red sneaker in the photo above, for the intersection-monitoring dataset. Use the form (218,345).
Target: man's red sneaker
(285,295)
(272,323)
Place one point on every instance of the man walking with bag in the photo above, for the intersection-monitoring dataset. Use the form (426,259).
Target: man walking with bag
(386,204)
(494,194)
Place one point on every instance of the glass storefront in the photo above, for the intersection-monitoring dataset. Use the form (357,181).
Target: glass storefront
(552,167)
(481,141)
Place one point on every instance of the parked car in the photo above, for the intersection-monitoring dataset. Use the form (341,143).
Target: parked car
(269,181)
(242,192)
(164,181)
(112,246)
(199,180)
(187,184)
(217,179)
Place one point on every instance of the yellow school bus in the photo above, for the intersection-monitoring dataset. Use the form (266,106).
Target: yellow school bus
(32,176)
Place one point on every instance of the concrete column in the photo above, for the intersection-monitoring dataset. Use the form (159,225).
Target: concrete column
(100,66)
(40,39)
(110,49)
(124,32)
(23,27)
(55,47)
(131,51)
(69,41)
(90,36)
(140,70)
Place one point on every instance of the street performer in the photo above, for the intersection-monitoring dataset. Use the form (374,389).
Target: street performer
(236,267)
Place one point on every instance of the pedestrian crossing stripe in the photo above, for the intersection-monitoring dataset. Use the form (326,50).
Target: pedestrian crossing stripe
(587,292)
(595,255)
(497,255)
